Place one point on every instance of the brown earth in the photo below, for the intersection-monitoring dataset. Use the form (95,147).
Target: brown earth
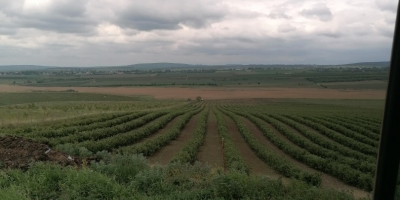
(161,131)
(16,152)
(211,151)
(257,166)
(328,181)
(215,92)
(165,155)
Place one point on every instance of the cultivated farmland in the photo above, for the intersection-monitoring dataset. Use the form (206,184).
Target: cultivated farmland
(330,144)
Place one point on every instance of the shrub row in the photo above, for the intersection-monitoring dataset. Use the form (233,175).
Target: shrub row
(279,163)
(233,158)
(353,144)
(92,127)
(99,134)
(331,156)
(370,120)
(151,146)
(346,132)
(189,152)
(374,130)
(343,172)
(133,136)
(32,131)
(317,139)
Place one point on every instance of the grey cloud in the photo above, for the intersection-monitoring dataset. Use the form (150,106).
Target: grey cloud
(278,15)
(387,5)
(284,28)
(61,16)
(321,11)
(152,15)
(331,35)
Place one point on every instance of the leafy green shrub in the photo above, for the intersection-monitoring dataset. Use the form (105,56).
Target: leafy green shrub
(13,193)
(123,167)
(89,185)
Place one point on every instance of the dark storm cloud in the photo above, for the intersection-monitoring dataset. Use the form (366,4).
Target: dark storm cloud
(152,15)
(320,11)
(58,16)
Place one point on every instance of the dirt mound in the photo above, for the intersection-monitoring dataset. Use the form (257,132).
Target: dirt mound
(16,152)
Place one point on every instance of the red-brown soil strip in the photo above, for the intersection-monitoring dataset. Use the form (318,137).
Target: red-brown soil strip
(165,155)
(256,165)
(211,151)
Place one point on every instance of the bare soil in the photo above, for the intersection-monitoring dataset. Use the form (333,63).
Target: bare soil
(161,131)
(16,152)
(256,165)
(215,92)
(211,151)
(165,155)
(328,181)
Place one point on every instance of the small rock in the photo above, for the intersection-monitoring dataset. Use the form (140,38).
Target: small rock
(48,150)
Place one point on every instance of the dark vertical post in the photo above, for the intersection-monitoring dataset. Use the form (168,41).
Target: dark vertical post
(223,153)
(389,148)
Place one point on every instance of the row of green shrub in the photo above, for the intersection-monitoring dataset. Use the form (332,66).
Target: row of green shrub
(52,133)
(72,123)
(315,137)
(300,153)
(189,152)
(313,148)
(341,139)
(353,126)
(371,126)
(98,134)
(151,146)
(362,139)
(233,158)
(360,160)
(279,163)
(128,138)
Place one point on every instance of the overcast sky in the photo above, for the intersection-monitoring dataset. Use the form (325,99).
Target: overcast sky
(121,32)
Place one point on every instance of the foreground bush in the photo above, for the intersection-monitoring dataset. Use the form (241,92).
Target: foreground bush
(130,177)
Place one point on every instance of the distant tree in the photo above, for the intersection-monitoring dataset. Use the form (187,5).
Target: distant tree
(198,98)
(189,99)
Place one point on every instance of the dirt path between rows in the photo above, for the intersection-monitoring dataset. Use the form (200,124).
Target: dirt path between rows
(328,181)
(165,155)
(161,131)
(211,151)
(256,165)
(214,92)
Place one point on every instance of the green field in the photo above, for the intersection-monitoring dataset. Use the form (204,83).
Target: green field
(309,77)
(313,142)
(139,147)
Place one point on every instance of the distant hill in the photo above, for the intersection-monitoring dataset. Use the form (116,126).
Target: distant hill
(370,64)
(4,68)
(155,66)
(151,66)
